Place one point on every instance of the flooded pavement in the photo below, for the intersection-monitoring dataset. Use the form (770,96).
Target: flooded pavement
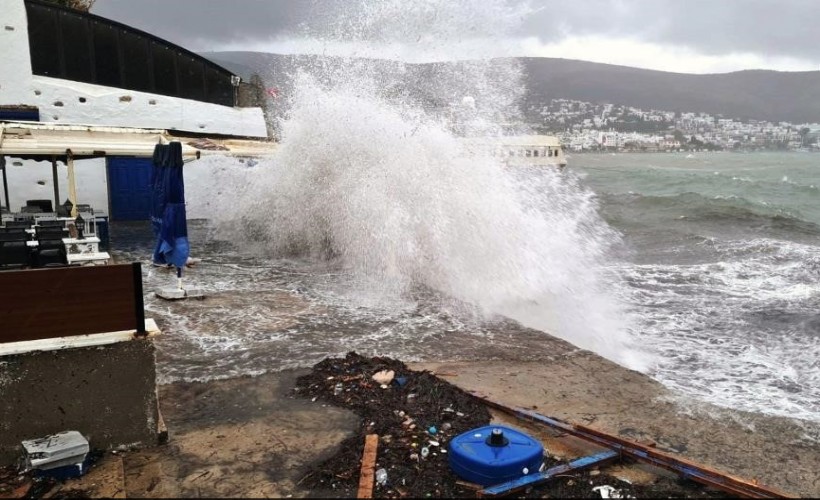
(245,438)
(262,315)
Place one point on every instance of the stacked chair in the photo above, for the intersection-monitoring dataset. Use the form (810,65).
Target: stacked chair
(50,248)
(50,251)
(14,251)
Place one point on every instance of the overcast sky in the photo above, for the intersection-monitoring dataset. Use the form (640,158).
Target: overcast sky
(694,36)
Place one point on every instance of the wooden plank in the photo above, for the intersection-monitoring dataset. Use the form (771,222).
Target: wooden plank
(68,301)
(371,444)
(531,480)
(686,468)
(162,429)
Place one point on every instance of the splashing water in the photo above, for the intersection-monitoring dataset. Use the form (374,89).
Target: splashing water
(381,186)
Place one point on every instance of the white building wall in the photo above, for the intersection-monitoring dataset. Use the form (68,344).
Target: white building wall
(64,101)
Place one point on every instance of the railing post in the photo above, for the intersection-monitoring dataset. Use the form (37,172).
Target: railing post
(139,302)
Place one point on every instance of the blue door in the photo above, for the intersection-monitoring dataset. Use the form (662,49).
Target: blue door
(129,188)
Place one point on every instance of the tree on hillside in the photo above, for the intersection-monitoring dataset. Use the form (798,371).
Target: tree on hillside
(81,5)
(804,132)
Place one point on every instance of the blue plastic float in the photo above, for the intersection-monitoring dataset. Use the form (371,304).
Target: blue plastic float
(494,454)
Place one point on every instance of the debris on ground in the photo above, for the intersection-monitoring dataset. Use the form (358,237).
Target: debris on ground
(18,482)
(61,456)
(416,416)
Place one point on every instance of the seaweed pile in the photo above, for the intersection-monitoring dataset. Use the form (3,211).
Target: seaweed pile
(415,416)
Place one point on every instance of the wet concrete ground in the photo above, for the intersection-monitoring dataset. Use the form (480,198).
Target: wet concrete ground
(248,437)
(243,437)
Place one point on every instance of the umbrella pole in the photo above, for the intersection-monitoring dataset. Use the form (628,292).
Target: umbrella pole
(72,183)
(56,181)
(5,183)
(179,278)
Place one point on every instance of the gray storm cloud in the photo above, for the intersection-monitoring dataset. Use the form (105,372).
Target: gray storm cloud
(769,28)
(765,27)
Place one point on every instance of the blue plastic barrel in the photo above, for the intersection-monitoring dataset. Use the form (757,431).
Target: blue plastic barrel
(494,454)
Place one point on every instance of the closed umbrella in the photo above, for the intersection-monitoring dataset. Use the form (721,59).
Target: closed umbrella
(168,210)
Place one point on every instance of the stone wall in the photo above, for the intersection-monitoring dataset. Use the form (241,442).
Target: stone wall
(107,393)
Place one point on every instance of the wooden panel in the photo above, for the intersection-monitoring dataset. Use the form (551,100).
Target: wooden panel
(68,301)
(371,444)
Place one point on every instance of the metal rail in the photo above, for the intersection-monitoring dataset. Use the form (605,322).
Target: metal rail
(686,468)
(531,480)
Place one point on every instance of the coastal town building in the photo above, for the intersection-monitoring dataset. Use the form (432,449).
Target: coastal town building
(585,126)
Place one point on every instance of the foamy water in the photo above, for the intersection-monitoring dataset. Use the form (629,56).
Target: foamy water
(373,230)
(723,272)
(732,319)
(393,200)
(382,187)
(734,332)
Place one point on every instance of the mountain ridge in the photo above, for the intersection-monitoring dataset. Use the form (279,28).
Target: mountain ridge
(747,94)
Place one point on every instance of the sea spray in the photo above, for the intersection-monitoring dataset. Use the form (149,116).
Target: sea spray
(380,184)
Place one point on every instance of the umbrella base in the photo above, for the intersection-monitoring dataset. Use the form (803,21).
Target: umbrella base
(176,293)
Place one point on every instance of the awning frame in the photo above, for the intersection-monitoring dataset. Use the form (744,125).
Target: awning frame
(67,143)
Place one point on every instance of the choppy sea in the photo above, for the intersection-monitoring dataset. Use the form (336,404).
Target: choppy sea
(722,267)
(718,266)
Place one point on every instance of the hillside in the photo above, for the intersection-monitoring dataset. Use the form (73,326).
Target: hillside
(757,94)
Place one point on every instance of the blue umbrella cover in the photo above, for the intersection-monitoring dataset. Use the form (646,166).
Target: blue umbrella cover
(168,216)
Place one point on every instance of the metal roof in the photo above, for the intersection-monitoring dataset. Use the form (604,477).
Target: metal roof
(43,141)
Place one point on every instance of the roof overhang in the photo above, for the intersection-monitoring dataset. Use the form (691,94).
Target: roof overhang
(44,141)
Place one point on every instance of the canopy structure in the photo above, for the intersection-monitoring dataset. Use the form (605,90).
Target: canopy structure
(41,141)
(33,139)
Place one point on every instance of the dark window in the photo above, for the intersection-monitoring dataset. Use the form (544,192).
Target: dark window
(106,55)
(136,67)
(76,42)
(191,78)
(44,41)
(165,74)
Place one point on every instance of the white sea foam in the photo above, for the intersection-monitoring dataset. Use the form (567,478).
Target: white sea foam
(383,188)
(730,332)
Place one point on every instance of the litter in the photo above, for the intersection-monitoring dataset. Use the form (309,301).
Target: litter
(384,377)
(607,491)
(61,455)
(381,477)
